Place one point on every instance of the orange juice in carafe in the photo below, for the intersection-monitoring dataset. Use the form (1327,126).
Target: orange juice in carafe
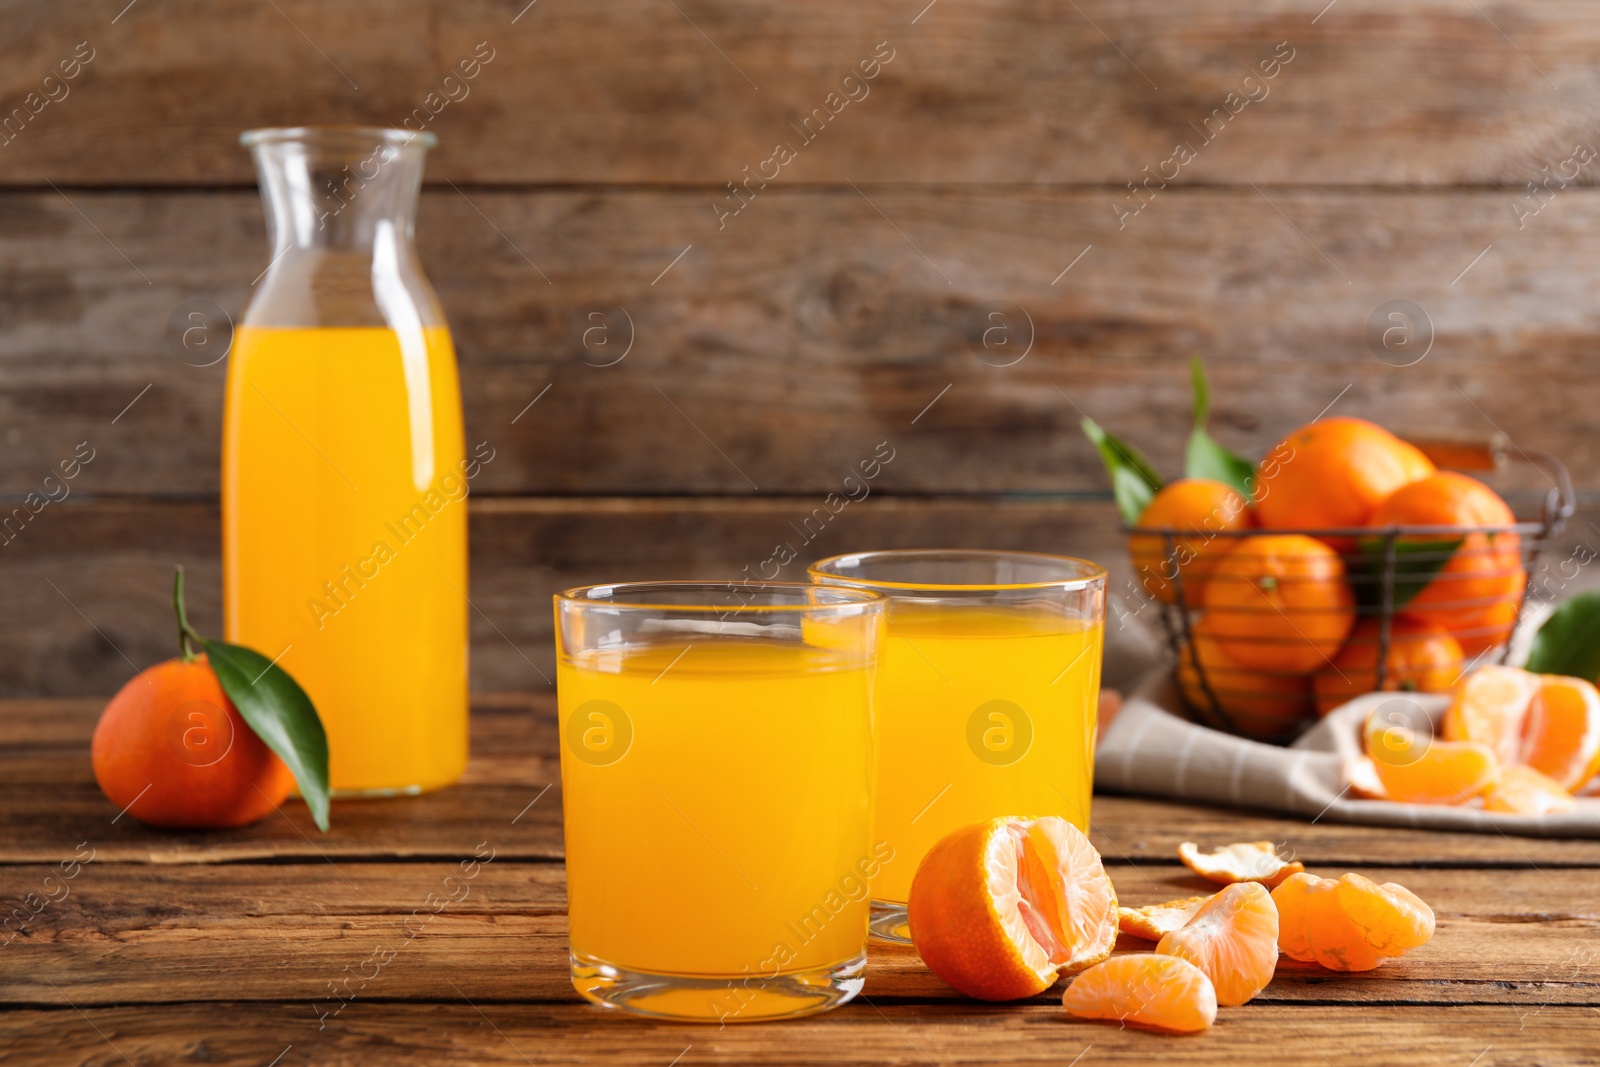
(344,471)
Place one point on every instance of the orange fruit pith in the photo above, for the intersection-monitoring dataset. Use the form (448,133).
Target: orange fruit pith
(1267,704)
(1333,473)
(1280,602)
(1233,938)
(172,750)
(999,909)
(1199,504)
(1476,595)
(1417,768)
(1519,790)
(1147,989)
(1422,658)
(1352,924)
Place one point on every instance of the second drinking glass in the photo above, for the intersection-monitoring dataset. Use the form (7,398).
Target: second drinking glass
(989,683)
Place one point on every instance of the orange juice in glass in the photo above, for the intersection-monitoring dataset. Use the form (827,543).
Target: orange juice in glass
(989,683)
(716,769)
(344,477)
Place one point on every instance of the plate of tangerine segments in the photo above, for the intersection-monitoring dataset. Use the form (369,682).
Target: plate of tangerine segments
(1346,561)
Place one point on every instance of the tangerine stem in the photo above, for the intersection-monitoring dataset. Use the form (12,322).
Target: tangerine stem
(185,631)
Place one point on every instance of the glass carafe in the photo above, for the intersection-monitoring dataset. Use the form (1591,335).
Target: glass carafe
(343,475)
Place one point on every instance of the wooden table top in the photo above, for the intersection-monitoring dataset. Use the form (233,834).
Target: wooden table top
(274,945)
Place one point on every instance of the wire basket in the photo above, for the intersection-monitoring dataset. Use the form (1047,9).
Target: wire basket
(1406,583)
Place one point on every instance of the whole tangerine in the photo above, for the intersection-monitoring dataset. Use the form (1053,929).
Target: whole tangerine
(1478,592)
(1202,505)
(172,750)
(1280,602)
(1334,472)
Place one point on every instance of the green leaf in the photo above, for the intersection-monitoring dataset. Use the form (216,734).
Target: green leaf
(1416,562)
(1205,458)
(1569,641)
(1134,481)
(278,710)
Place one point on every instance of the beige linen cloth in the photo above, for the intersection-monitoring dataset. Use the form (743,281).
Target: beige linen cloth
(1150,749)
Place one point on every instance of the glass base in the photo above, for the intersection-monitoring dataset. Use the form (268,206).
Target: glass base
(739,998)
(890,923)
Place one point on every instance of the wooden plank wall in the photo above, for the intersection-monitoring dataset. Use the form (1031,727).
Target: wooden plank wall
(970,203)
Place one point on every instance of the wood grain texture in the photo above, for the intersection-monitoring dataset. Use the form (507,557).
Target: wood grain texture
(1000,91)
(125,934)
(250,1035)
(777,355)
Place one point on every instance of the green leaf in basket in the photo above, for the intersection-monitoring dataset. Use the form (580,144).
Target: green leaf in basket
(1569,641)
(1205,458)
(1416,562)
(272,704)
(1134,481)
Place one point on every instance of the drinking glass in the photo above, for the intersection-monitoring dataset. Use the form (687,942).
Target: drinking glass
(989,683)
(716,769)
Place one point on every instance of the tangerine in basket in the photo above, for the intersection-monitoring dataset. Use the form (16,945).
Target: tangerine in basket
(1271,704)
(1145,988)
(1422,658)
(1352,924)
(1280,602)
(1477,593)
(1000,909)
(1199,504)
(1334,472)
(1233,938)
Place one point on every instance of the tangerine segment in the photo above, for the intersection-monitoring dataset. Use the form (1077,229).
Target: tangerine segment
(1351,924)
(1242,861)
(1521,790)
(1233,938)
(1416,769)
(1489,705)
(1202,505)
(1155,921)
(1146,988)
(1280,602)
(1561,734)
(1391,918)
(998,909)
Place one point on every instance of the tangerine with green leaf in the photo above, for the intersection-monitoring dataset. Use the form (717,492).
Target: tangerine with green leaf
(1476,594)
(173,749)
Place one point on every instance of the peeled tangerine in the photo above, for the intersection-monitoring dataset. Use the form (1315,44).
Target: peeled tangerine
(1524,791)
(1352,924)
(1549,722)
(1167,992)
(1000,909)
(1233,938)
